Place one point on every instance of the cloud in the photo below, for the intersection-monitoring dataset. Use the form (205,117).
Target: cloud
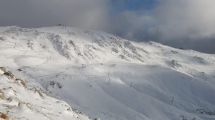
(186,18)
(187,23)
(82,13)
(132,25)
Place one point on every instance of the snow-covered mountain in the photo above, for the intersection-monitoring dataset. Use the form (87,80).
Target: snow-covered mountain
(103,76)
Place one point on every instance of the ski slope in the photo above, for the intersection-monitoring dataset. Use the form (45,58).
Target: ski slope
(110,78)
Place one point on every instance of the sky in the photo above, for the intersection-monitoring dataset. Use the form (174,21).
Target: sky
(188,24)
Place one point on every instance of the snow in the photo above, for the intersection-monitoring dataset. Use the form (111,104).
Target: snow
(22,103)
(103,76)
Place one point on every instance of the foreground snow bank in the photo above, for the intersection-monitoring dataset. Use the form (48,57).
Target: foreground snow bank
(18,101)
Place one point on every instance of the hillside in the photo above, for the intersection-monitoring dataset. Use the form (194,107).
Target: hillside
(105,76)
(19,101)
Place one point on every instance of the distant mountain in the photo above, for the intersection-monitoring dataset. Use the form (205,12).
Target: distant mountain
(103,76)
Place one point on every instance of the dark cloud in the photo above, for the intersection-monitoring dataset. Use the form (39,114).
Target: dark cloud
(179,23)
(84,13)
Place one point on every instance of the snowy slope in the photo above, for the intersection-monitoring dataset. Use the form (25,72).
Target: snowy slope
(110,78)
(20,101)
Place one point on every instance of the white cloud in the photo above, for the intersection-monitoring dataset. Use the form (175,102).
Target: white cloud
(186,18)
